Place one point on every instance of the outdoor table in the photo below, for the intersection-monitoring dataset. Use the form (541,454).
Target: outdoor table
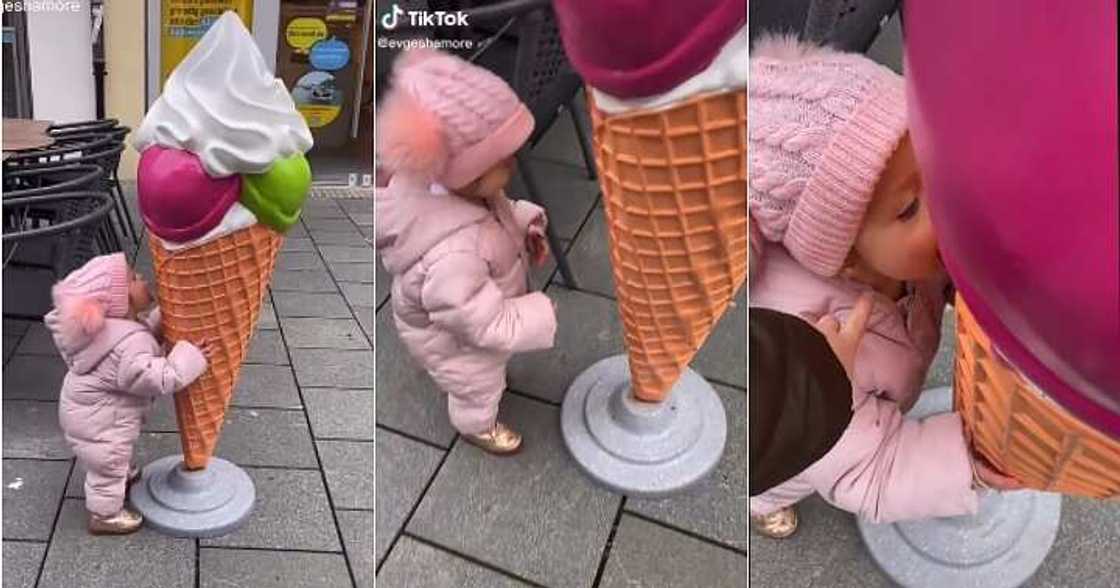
(22,134)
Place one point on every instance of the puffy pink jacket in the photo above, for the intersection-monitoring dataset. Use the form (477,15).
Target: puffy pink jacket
(885,467)
(460,276)
(114,377)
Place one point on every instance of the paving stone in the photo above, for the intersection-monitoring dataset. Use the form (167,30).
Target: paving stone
(724,355)
(297,231)
(321,209)
(34,377)
(646,554)
(534,513)
(149,447)
(161,419)
(37,341)
(412,559)
(561,143)
(407,398)
(292,244)
(351,238)
(21,563)
(348,466)
(221,568)
(566,192)
(341,254)
(266,347)
(292,512)
(590,256)
(357,294)
(322,333)
(364,219)
(127,560)
(31,431)
(539,277)
(333,368)
(299,261)
(941,371)
(10,344)
(365,316)
(383,282)
(263,437)
(328,225)
(317,280)
(16,326)
(306,304)
(346,414)
(589,330)
(1082,554)
(356,205)
(266,385)
(357,536)
(267,320)
(361,273)
(716,507)
(32,490)
(403,469)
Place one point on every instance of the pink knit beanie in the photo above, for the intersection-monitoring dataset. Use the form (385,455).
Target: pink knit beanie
(447,119)
(93,292)
(823,125)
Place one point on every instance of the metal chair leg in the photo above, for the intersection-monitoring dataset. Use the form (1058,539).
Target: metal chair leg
(553,241)
(584,141)
(124,206)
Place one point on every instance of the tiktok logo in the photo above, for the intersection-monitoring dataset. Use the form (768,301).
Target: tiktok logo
(392,18)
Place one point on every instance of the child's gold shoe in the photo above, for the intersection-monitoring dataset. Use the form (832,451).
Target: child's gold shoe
(499,440)
(779,524)
(124,522)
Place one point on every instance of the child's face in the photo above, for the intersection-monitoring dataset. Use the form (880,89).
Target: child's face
(492,182)
(896,239)
(139,297)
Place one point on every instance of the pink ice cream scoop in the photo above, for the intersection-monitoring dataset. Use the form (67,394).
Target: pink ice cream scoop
(178,200)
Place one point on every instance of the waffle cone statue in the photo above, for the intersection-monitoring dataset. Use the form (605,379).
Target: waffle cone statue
(222,176)
(674,187)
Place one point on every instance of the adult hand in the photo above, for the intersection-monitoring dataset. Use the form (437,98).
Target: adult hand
(844,339)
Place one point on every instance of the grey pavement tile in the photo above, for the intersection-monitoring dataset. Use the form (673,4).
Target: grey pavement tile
(590,256)
(317,226)
(32,490)
(362,219)
(407,398)
(333,368)
(353,238)
(403,470)
(342,254)
(16,326)
(1084,553)
(383,282)
(539,277)
(941,371)
(313,280)
(297,231)
(267,320)
(111,562)
(533,514)
(37,341)
(355,205)
(292,512)
(412,559)
(360,272)
(323,333)
(34,377)
(338,413)
(716,508)
(266,385)
(149,447)
(315,208)
(357,537)
(299,261)
(357,294)
(266,347)
(21,563)
(222,568)
(724,355)
(646,554)
(31,431)
(267,438)
(589,330)
(292,244)
(565,191)
(161,419)
(826,551)
(306,304)
(10,343)
(365,316)
(348,466)
(561,143)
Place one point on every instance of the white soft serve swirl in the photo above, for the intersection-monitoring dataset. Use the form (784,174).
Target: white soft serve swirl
(224,105)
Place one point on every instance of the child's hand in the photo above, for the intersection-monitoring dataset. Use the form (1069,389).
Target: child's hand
(537,245)
(208,347)
(844,340)
(985,476)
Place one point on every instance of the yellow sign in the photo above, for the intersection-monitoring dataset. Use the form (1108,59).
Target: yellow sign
(303,32)
(318,115)
(183,22)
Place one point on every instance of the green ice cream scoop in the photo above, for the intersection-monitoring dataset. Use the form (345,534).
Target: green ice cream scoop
(277,196)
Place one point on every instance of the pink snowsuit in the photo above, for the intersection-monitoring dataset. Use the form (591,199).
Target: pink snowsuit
(114,377)
(885,467)
(459,298)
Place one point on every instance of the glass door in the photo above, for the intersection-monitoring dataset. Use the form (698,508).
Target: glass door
(17,77)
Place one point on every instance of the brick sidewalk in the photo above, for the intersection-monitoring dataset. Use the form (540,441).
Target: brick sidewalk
(301,425)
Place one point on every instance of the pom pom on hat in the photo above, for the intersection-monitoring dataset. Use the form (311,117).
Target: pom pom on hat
(410,137)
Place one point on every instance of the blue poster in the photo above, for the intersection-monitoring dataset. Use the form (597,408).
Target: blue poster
(330,55)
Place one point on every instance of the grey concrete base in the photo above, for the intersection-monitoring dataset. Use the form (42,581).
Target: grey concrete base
(637,448)
(1002,546)
(205,503)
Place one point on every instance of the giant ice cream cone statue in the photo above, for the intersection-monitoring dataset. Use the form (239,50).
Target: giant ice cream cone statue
(222,177)
(669,118)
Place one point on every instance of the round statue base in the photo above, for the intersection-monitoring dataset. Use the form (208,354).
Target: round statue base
(201,503)
(642,449)
(1001,546)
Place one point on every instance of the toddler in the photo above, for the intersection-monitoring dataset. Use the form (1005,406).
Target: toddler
(117,368)
(838,213)
(457,248)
